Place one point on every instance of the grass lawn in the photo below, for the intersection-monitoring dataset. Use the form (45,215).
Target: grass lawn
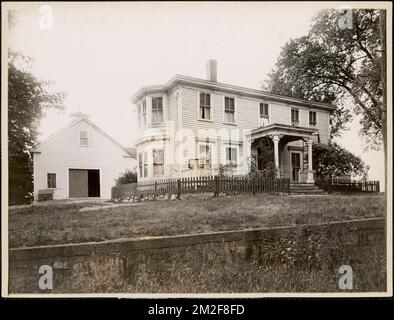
(65,223)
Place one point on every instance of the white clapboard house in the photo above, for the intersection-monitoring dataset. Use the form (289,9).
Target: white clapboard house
(79,161)
(193,127)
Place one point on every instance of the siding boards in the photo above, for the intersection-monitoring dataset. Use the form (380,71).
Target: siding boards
(323,126)
(280,113)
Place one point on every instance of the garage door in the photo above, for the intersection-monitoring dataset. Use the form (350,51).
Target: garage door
(84,183)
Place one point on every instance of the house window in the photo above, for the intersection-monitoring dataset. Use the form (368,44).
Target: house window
(295,120)
(231,156)
(145,164)
(157,110)
(51,180)
(144,112)
(139,109)
(205,106)
(83,138)
(229,110)
(158,162)
(205,155)
(263,110)
(140,165)
(312,118)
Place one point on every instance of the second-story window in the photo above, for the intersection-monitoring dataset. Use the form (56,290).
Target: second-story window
(229,110)
(144,112)
(83,138)
(295,119)
(263,110)
(312,118)
(157,109)
(205,106)
(158,162)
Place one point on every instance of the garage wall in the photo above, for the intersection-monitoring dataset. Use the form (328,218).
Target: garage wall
(64,152)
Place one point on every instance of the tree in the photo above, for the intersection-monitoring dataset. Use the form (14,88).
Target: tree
(129,176)
(333,63)
(333,161)
(28,98)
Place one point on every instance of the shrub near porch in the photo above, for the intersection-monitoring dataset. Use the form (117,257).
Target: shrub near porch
(64,223)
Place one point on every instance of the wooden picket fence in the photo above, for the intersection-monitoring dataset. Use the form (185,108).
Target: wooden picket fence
(337,185)
(203,184)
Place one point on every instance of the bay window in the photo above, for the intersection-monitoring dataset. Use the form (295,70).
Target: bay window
(145,162)
(157,110)
(144,112)
(140,165)
(158,162)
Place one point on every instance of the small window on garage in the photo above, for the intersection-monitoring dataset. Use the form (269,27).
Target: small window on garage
(51,180)
(83,138)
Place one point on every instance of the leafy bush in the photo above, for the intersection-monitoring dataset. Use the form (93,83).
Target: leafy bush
(333,161)
(129,176)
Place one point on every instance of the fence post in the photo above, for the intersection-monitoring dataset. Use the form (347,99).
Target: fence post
(377,186)
(216,193)
(178,195)
(155,188)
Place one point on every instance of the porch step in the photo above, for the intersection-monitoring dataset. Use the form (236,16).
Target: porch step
(305,188)
(303,191)
(298,184)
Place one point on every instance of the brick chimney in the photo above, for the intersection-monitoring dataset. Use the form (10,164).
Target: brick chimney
(212,70)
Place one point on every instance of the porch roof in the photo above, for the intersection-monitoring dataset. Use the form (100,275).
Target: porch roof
(283,129)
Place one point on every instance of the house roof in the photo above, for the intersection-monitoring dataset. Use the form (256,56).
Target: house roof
(260,94)
(129,151)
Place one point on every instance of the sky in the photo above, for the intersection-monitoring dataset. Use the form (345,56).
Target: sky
(100,54)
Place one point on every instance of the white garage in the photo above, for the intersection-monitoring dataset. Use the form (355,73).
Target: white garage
(79,161)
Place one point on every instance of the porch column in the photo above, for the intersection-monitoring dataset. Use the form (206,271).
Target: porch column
(309,142)
(275,138)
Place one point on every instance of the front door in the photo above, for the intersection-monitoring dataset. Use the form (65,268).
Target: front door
(295,166)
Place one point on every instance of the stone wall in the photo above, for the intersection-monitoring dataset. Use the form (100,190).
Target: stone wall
(111,266)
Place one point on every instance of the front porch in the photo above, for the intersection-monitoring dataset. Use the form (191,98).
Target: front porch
(292,149)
